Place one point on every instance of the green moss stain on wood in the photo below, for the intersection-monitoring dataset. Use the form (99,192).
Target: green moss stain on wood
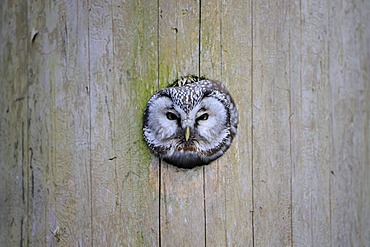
(135,65)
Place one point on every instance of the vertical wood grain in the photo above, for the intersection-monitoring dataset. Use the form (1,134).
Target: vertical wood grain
(123,70)
(105,193)
(70,204)
(182,198)
(43,57)
(59,128)
(310,123)
(271,128)
(13,124)
(237,74)
(349,81)
(135,68)
(226,46)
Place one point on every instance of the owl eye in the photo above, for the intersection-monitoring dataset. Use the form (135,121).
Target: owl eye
(171,116)
(203,117)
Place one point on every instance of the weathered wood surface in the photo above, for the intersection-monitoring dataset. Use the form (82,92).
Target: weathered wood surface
(310,124)
(14,178)
(75,77)
(271,111)
(349,82)
(123,73)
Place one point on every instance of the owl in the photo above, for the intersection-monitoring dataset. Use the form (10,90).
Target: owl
(190,123)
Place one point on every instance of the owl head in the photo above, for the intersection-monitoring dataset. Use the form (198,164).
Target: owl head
(190,123)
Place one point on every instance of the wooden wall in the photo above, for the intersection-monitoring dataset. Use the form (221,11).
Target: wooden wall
(75,77)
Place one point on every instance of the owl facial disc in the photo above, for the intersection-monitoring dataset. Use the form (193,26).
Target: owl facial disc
(190,123)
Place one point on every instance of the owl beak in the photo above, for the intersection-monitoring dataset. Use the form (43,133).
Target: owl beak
(187,133)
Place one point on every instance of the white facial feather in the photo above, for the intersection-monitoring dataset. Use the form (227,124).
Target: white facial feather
(213,129)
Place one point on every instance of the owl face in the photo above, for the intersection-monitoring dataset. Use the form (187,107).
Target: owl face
(190,124)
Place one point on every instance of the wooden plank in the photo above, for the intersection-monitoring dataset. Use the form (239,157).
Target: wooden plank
(310,123)
(13,124)
(349,68)
(226,40)
(271,129)
(210,40)
(135,68)
(123,71)
(182,197)
(70,203)
(59,126)
(105,193)
(237,74)
(178,40)
(43,50)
